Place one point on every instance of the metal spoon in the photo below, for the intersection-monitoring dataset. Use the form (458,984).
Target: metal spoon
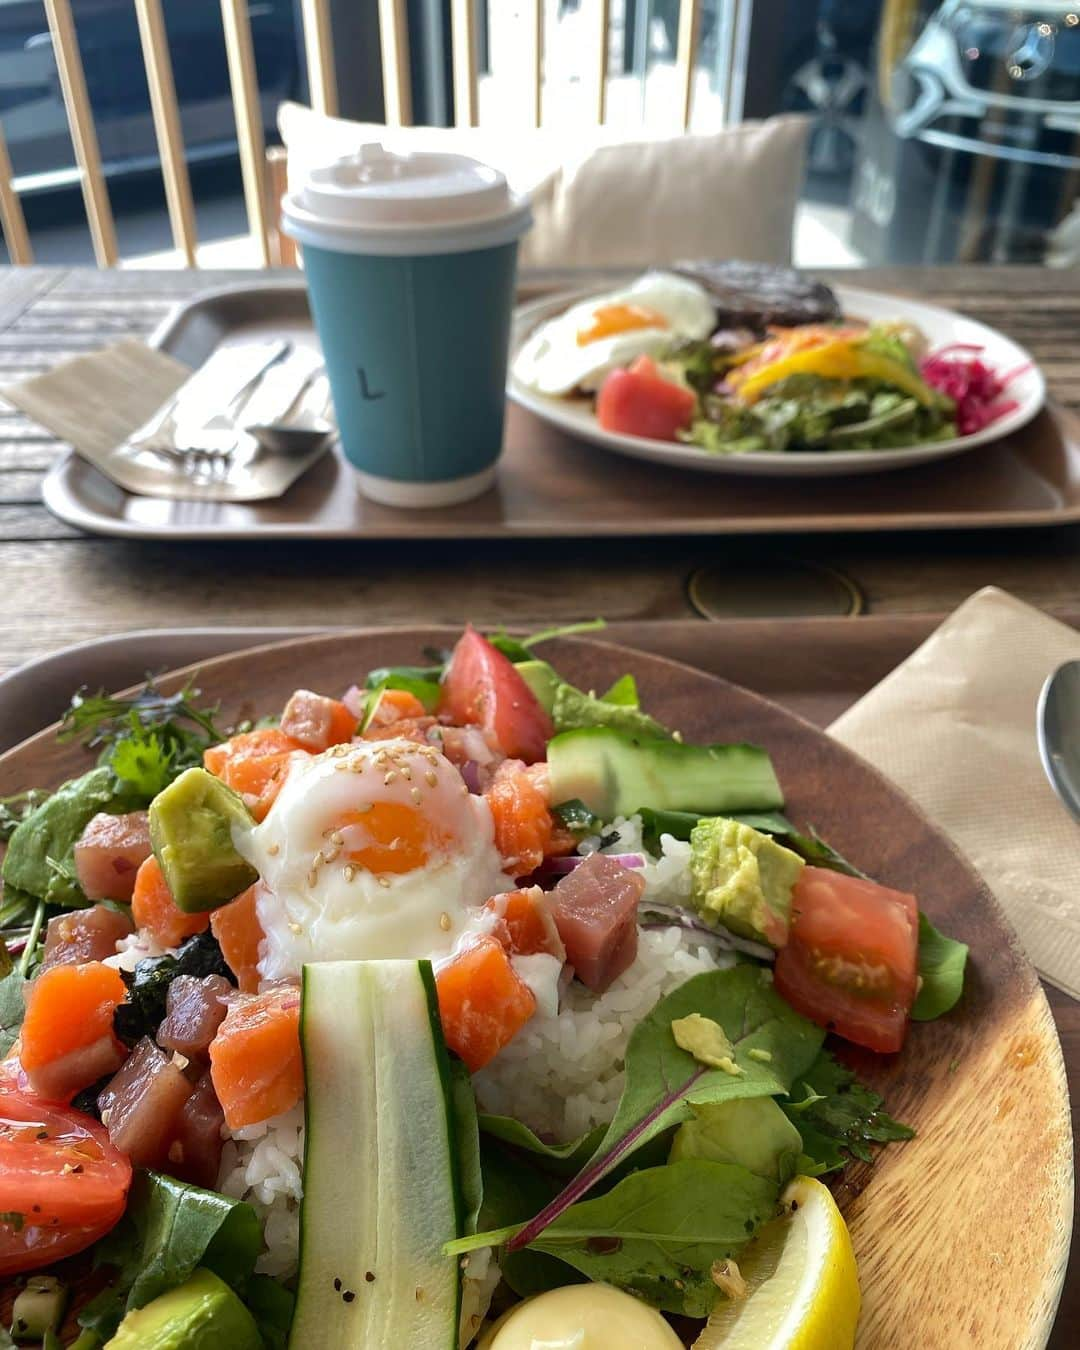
(304,427)
(1058,733)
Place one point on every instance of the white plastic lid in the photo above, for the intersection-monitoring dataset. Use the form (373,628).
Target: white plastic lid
(376,201)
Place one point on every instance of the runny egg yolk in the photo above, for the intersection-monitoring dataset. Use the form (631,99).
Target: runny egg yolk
(619,318)
(391,837)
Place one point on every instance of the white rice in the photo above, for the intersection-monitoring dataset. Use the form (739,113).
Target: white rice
(562,1075)
(262,1165)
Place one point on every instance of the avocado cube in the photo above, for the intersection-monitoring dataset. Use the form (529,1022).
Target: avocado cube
(742,879)
(201,1314)
(194,824)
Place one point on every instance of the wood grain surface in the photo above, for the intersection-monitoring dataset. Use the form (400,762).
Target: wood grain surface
(962,1234)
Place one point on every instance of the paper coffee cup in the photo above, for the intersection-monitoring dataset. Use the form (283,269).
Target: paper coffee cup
(410,263)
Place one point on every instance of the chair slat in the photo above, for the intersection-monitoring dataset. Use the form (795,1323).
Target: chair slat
(170,137)
(319,44)
(532,20)
(240,52)
(69,66)
(283,250)
(11,212)
(686,54)
(394,43)
(602,25)
(463,44)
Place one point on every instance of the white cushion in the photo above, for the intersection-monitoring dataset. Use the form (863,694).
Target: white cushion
(598,199)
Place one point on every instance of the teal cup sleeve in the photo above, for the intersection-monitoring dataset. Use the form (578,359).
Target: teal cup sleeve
(416,353)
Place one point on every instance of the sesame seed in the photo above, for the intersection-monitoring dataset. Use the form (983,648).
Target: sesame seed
(273,850)
(370,1276)
(384,882)
(416,796)
(295,928)
(341,766)
(339,751)
(389,778)
(335,837)
(406,772)
(419,1295)
(431,778)
(312,878)
(444,921)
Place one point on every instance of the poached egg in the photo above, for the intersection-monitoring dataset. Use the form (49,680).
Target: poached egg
(371,851)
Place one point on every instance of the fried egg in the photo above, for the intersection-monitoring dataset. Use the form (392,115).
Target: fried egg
(371,851)
(576,349)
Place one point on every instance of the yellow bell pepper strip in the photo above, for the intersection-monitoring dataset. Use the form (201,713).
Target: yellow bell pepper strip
(840,360)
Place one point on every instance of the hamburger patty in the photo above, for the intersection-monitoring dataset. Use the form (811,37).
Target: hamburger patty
(761,295)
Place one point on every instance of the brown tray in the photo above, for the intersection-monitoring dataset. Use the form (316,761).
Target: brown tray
(551,486)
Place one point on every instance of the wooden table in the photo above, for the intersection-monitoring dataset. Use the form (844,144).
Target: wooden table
(60,587)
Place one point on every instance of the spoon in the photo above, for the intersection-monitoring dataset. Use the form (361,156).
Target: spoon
(303,426)
(1058,732)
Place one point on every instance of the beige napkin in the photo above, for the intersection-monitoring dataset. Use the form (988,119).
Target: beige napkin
(954,725)
(95,402)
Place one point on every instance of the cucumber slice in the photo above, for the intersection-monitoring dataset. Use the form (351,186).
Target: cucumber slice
(615,774)
(382,1189)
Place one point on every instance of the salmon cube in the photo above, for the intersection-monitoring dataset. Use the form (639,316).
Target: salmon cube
(154,909)
(109,852)
(256,1063)
(527,922)
(67,1040)
(483,1002)
(239,933)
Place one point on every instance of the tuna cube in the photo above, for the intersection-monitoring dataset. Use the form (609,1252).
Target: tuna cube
(596,915)
(109,852)
(84,935)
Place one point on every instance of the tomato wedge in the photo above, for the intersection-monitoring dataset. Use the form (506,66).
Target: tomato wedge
(63,1185)
(482,687)
(851,961)
(640,401)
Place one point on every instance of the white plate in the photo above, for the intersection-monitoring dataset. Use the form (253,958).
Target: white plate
(941,326)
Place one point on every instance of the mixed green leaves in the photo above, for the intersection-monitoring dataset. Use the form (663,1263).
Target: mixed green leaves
(838,1117)
(659,1230)
(40,856)
(143,743)
(100,720)
(941,969)
(169,1229)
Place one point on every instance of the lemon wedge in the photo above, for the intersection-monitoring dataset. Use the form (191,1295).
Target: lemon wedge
(801,1282)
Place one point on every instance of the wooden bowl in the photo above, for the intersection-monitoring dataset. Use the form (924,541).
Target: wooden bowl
(962,1235)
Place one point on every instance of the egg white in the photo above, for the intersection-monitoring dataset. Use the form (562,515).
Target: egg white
(314,905)
(552,362)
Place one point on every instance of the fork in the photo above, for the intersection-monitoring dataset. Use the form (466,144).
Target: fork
(159,435)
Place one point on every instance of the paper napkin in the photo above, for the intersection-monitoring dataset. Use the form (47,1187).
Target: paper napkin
(954,726)
(95,402)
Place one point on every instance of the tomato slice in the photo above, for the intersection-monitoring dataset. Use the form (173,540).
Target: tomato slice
(482,687)
(851,960)
(640,401)
(63,1185)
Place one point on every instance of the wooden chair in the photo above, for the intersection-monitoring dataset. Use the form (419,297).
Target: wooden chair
(264,172)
